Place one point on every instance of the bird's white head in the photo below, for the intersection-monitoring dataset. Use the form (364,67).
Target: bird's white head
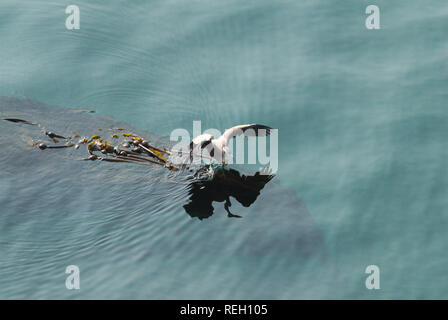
(203,140)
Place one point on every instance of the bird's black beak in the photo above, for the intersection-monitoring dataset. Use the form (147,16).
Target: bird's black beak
(205,143)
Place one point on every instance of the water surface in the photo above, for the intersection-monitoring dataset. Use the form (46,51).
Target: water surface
(362,118)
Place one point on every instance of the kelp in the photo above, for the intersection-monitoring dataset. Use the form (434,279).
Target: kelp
(134,150)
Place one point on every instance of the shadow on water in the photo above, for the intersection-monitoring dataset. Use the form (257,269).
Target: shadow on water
(224,183)
(124,224)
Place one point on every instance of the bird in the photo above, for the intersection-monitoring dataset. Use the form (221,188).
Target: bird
(218,147)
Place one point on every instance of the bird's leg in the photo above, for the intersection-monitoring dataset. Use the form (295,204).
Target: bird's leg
(227,204)
(191,151)
(223,162)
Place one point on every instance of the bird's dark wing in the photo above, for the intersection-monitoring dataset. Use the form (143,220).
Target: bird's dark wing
(249,130)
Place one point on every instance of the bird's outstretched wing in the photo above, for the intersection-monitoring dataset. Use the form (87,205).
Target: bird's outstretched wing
(250,130)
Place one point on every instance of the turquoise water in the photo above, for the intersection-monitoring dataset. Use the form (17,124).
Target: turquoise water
(362,117)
